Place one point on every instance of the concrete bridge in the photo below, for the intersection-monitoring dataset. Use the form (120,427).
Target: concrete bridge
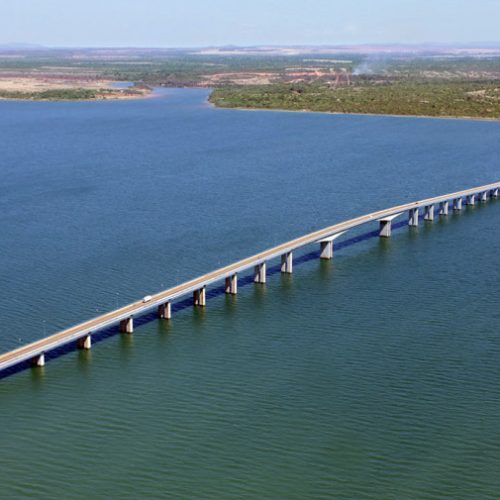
(124,316)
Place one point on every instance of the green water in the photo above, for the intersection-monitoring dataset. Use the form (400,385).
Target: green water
(375,375)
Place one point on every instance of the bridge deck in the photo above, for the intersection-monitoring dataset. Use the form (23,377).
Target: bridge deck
(137,308)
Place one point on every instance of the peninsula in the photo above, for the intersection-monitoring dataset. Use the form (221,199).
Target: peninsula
(64,88)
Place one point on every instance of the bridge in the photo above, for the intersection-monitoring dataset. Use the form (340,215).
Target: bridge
(162,301)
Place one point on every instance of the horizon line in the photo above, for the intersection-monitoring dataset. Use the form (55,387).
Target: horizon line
(462,45)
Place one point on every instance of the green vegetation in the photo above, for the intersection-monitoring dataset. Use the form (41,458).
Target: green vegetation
(431,83)
(52,95)
(155,67)
(74,94)
(445,98)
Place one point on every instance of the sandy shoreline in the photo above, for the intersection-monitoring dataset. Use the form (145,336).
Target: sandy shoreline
(32,89)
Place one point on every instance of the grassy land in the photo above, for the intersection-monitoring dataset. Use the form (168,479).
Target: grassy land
(433,98)
(49,95)
(427,84)
(69,94)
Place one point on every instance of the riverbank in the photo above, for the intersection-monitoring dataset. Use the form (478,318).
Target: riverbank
(447,100)
(67,89)
(340,113)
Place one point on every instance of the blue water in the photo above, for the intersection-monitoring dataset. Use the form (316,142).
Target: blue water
(375,375)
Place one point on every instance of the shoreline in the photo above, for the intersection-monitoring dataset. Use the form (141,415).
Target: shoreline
(103,90)
(148,95)
(340,113)
(151,94)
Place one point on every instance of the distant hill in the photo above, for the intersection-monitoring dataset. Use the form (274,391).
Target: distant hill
(20,46)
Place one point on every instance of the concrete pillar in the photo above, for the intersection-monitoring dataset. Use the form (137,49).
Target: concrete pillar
(471,199)
(38,360)
(429,213)
(326,250)
(287,263)
(444,207)
(413,217)
(127,325)
(483,197)
(457,204)
(200,297)
(326,245)
(165,310)
(260,273)
(385,229)
(232,284)
(494,193)
(85,342)
(385,225)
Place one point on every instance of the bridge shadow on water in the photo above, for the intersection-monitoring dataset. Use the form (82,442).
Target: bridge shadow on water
(186,303)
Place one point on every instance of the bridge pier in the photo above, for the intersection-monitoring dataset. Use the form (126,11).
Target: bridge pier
(165,310)
(127,325)
(326,250)
(287,263)
(429,213)
(85,342)
(326,246)
(494,193)
(260,273)
(385,229)
(457,204)
(471,200)
(200,297)
(413,217)
(444,207)
(232,284)
(385,226)
(483,197)
(38,360)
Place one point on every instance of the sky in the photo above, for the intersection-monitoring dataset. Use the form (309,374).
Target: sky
(201,23)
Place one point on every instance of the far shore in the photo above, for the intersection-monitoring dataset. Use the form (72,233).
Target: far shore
(278,110)
(113,97)
(28,88)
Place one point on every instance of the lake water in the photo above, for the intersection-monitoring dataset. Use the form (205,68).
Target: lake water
(375,375)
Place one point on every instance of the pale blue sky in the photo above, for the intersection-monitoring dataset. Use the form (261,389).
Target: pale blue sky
(184,23)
